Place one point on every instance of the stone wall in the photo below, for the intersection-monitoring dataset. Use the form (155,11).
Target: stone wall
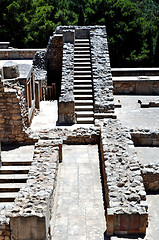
(40,67)
(101,72)
(54,56)
(5,233)
(79,135)
(17,53)
(31,213)
(66,101)
(150,174)
(145,137)
(125,196)
(124,190)
(13,113)
(135,86)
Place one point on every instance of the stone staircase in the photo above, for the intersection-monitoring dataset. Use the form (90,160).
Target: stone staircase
(13,173)
(83,82)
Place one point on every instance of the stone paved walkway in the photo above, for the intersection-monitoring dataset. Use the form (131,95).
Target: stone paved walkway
(80,211)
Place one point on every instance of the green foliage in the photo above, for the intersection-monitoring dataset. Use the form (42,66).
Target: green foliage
(132,25)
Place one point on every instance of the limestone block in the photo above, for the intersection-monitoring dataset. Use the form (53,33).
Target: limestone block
(10,70)
(25,228)
(110,221)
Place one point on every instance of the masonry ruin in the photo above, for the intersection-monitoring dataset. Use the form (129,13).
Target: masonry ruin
(93,110)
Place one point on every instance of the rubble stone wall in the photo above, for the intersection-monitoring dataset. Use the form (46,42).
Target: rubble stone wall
(150,174)
(40,67)
(101,71)
(66,101)
(80,135)
(5,233)
(136,87)
(124,190)
(31,213)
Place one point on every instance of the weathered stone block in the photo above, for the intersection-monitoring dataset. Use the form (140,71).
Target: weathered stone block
(27,228)
(68,36)
(10,70)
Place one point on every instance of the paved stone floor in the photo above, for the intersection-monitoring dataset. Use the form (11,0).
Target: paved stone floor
(132,115)
(80,212)
(148,155)
(48,116)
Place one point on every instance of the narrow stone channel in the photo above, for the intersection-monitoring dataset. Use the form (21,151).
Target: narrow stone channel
(80,211)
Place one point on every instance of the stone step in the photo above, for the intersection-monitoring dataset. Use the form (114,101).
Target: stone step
(85,113)
(84,108)
(82,59)
(82,77)
(81,40)
(16,162)
(81,44)
(82,91)
(86,120)
(80,87)
(82,82)
(81,51)
(104,115)
(81,102)
(11,187)
(82,72)
(83,97)
(82,48)
(82,64)
(14,169)
(82,55)
(8,197)
(13,178)
(82,68)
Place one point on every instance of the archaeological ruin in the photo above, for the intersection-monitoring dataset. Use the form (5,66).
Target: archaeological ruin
(79,142)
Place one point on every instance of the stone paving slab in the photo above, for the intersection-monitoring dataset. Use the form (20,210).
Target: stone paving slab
(80,212)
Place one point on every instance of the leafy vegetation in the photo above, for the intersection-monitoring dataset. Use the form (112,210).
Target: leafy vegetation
(132,25)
